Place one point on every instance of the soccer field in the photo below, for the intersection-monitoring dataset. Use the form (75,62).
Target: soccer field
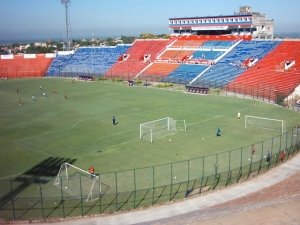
(78,127)
(38,136)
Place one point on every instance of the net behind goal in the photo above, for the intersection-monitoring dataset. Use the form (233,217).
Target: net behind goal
(265,123)
(78,183)
(160,128)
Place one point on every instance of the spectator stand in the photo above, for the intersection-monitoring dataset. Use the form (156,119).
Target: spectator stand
(85,78)
(197,89)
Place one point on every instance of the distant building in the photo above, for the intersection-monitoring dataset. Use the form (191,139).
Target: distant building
(243,22)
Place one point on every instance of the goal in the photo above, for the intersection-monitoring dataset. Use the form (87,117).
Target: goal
(265,123)
(79,183)
(160,128)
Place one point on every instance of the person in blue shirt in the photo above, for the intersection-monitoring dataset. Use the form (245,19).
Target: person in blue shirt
(218,132)
(268,157)
(114,120)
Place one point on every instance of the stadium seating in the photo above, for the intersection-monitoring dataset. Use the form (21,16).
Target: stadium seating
(58,64)
(187,43)
(185,73)
(91,60)
(265,79)
(157,71)
(179,60)
(209,55)
(176,55)
(229,67)
(30,65)
(140,55)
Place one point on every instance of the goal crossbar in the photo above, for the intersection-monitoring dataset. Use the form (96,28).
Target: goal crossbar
(65,180)
(250,121)
(81,170)
(159,128)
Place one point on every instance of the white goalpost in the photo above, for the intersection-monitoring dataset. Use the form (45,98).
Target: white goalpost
(161,127)
(265,123)
(78,182)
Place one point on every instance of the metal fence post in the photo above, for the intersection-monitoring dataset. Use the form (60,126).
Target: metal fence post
(81,196)
(134,178)
(171,182)
(202,175)
(116,179)
(62,197)
(42,203)
(12,199)
(153,185)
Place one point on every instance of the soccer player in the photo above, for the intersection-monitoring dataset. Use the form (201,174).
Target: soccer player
(32,97)
(17,91)
(65,96)
(114,120)
(44,95)
(218,132)
(239,115)
(20,101)
(54,91)
(92,171)
(253,150)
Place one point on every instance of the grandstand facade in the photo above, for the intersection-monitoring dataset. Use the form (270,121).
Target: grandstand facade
(236,53)
(242,22)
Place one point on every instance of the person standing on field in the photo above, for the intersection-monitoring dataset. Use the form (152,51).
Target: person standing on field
(114,120)
(239,115)
(92,171)
(253,150)
(218,132)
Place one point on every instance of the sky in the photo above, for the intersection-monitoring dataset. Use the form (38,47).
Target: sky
(45,19)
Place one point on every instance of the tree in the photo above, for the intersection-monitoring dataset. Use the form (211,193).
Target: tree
(15,45)
(127,39)
(147,36)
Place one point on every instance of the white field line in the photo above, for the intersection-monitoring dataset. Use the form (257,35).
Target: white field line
(32,149)
(76,125)
(123,116)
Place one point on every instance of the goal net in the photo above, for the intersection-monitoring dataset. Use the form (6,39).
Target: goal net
(265,123)
(78,183)
(160,128)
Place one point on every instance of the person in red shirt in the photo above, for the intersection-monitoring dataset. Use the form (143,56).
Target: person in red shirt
(282,156)
(92,171)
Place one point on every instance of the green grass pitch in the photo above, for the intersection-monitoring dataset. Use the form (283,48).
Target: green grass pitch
(77,127)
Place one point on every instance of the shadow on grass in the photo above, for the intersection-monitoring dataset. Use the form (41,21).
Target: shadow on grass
(47,168)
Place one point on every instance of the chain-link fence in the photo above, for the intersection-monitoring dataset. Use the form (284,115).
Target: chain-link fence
(38,198)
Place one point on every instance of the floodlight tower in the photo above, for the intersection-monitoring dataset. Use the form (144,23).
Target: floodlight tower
(67,40)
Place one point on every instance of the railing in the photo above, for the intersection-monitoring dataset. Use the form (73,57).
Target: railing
(37,197)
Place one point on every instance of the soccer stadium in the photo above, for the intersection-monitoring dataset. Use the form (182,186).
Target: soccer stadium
(101,130)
